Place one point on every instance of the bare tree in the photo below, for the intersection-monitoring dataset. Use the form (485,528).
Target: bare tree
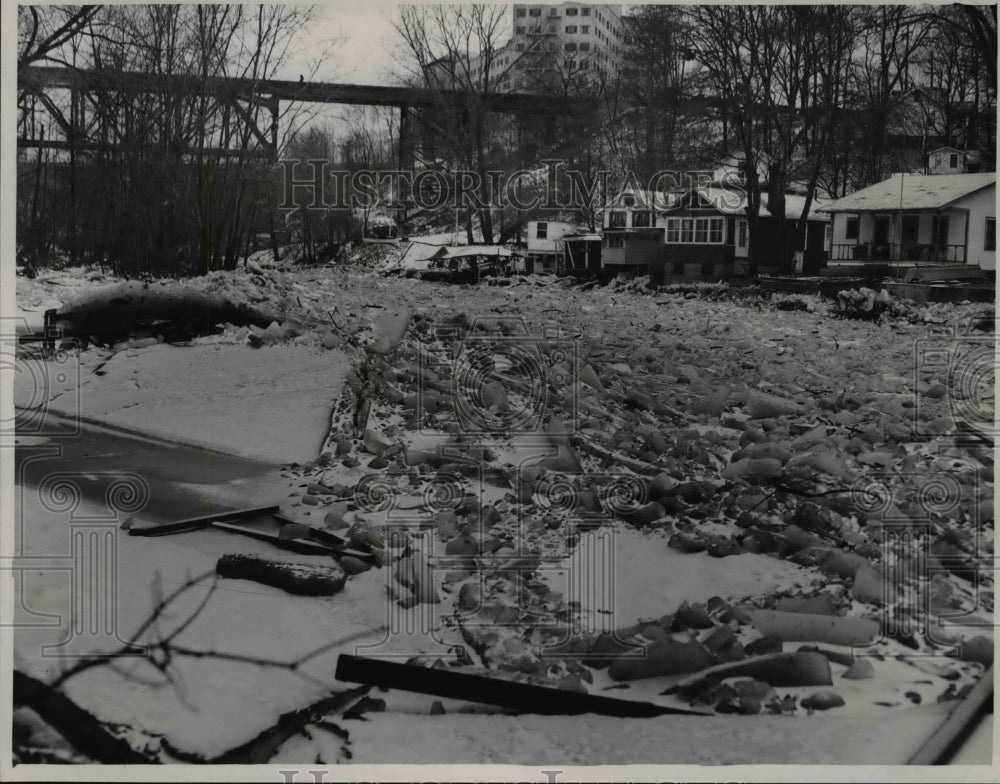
(456,52)
(777,72)
(42,32)
(176,155)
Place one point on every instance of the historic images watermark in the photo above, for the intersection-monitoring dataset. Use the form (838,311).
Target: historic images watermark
(315,184)
(90,505)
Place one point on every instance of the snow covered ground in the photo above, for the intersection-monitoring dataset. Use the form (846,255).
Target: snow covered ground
(785,445)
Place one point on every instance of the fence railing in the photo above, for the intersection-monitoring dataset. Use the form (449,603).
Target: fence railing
(872,251)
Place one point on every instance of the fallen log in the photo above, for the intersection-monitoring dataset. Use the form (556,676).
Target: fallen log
(523,697)
(297,578)
(80,727)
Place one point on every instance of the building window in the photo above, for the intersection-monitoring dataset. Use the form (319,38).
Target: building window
(570,29)
(616,220)
(535,12)
(953,161)
(520,12)
(585,47)
(614,241)
(742,234)
(939,230)
(570,47)
(570,12)
(851,229)
(716,231)
(520,31)
(585,29)
(990,240)
(687,230)
(542,230)
(519,47)
(703,231)
(641,219)
(584,12)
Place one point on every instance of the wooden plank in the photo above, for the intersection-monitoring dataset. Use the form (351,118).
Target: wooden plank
(928,274)
(198,523)
(958,727)
(337,543)
(329,537)
(524,697)
(303,546)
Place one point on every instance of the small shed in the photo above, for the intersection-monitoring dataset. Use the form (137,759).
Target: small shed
(581,254)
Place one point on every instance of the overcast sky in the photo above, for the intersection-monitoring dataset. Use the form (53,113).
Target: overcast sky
(366,54)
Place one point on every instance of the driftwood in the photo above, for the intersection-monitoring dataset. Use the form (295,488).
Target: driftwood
(296,578)
(92,739)
(80,727)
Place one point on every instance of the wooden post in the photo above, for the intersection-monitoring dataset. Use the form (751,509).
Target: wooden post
(406,161)
(274,106)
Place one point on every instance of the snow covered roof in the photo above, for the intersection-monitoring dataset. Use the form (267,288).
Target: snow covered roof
(730,201)
(913,192)
(645,199)
(457,252)
(415,255)
(794,203)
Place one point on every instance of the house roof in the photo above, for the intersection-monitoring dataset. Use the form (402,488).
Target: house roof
(729,201)
(456,252)
(794,203)
(646,199)
(913,192)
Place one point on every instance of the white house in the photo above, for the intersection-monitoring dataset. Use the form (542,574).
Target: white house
(951,160)
(914,218)
(544,249)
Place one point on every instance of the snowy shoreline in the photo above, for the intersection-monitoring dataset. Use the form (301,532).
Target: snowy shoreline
(283,395)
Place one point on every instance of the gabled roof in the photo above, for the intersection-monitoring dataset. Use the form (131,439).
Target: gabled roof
(457,252)
(914,192)
(730,201)
(645,199)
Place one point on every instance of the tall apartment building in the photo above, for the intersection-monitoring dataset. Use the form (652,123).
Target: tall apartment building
(552,46)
